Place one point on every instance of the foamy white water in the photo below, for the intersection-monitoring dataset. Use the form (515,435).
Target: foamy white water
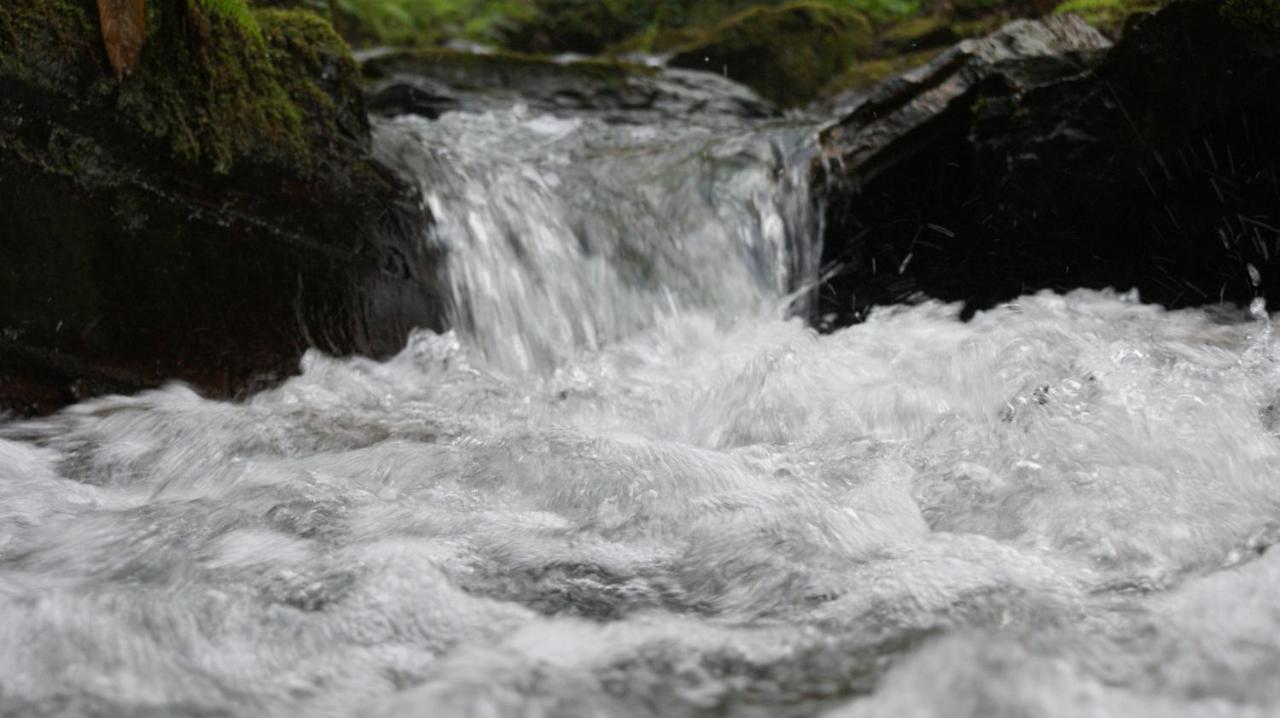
(1061,508)
(567,233)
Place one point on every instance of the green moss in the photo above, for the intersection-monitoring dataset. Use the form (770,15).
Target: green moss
(918,32)
(218,81)
(237,12)
(1257,14)
(872,72)
(786,53)
(1107,15)
(977,27)
(317,73)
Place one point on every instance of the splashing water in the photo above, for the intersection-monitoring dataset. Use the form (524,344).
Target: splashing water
(568,233)
(629,486)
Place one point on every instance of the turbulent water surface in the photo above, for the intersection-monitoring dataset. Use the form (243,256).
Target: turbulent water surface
(629,485)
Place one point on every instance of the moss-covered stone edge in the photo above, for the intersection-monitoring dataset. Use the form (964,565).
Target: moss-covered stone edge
(218,82)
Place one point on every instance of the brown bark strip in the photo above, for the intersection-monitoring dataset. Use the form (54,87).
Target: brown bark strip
(124,27)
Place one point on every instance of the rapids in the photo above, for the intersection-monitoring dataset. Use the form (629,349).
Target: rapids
(630,483)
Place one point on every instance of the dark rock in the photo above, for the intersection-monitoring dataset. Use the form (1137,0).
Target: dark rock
(207,219)
(433,81)
(1030,160)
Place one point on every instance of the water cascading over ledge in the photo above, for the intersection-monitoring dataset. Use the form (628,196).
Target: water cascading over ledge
(567,234)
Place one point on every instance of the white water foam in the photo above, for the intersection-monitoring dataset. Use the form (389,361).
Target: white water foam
(1060,508)
(629,486)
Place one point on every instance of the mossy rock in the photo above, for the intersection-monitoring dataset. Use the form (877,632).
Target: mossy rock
(218,81)
(319,75)
(206,218)
(868,73)
(1107,15)
(657,40)
(786,53)
(918,33)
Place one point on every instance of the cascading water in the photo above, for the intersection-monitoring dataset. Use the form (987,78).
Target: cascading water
(569,233)
(629,485)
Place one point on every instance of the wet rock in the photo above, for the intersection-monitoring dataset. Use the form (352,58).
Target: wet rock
(1037,159)
(431,82)
(205,219)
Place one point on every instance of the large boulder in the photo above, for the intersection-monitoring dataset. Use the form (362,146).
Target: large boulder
(1033,159)
(206,219)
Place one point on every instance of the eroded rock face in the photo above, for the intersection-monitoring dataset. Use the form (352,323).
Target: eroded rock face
(151,231)
(1036,159)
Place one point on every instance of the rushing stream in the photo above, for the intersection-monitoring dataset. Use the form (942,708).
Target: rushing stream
(629,484)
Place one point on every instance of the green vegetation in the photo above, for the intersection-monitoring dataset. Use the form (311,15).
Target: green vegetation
(236,12)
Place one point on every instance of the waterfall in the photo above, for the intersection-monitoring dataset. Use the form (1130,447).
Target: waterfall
(569,233)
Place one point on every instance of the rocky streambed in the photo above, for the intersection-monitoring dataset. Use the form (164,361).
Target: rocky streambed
(582,387)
